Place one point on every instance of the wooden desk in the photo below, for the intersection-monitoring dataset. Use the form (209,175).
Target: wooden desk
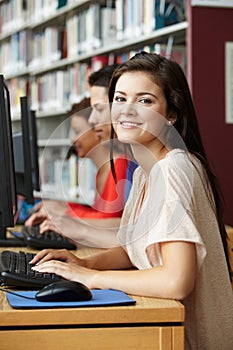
(150,324)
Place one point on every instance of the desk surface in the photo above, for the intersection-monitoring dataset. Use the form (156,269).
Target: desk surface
(150,324)
(145,310)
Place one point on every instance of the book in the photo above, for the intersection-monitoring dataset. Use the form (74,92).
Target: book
(119,20)
(108,26)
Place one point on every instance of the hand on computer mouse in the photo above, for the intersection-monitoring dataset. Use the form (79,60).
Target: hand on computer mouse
(64,290)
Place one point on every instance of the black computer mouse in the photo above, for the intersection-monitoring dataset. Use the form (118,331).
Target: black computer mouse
(64,290)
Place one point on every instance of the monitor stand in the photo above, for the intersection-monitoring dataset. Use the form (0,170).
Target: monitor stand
(11,242)
(7,241)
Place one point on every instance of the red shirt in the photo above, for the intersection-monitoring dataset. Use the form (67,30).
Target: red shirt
(111,201)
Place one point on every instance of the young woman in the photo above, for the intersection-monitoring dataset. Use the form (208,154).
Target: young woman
(172,236)
(108,202)
(80,222)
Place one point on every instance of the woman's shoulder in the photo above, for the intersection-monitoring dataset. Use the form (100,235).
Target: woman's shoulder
(182,160)
(179,165)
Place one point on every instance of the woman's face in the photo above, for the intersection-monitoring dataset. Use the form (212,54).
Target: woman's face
(100,115)
(84,138)
(138,109)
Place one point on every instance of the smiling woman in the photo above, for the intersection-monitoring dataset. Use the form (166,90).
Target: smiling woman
(172,236)
(137,109)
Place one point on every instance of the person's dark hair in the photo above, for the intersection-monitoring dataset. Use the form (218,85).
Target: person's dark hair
(171,79)
(102,77)
(83,108)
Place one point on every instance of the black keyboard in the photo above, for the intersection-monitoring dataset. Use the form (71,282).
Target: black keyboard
(15,271)
(50,239)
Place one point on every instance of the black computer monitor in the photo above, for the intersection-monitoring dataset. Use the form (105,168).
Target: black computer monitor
(34,151)
(8,195)
(26,154)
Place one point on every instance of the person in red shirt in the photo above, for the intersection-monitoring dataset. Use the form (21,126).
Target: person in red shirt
(96,226)
(109,199)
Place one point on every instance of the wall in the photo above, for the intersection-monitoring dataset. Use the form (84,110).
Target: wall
(209,29)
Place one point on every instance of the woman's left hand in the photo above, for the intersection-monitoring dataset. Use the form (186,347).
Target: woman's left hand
(69,271)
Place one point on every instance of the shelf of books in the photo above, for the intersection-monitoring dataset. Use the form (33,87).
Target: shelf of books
(49,47)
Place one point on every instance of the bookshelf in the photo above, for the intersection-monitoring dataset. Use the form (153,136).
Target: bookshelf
(49,47)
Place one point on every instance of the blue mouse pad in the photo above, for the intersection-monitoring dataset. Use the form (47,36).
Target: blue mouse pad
(106,297)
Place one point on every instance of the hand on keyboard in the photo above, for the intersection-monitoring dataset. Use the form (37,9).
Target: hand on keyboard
(16,271)
(49,239)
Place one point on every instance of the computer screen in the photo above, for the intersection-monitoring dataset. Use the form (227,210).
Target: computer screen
(34,151)
(26,154)
(8,196)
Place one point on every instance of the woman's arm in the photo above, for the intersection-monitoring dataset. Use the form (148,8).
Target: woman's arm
(43,210)
(100,233)
(89,233)
(175,279)
(114,258)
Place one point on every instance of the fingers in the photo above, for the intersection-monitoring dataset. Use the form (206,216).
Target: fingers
(35,219)
(30,221)
(49,254)
(57,267)
(47,225)
(51,266)
(39,256)
(37,206)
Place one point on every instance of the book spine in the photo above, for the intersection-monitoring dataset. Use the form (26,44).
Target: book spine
(119,20)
